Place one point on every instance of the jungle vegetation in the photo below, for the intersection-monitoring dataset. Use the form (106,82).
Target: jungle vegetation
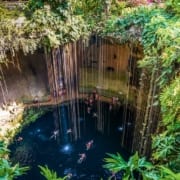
(155,26)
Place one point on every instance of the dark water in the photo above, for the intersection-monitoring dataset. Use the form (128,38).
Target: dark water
(61,153)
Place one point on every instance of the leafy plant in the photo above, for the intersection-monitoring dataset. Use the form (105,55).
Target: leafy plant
(137,166)
(116,163)
(167,174)
(3,149)
(173,5)
(50,174)
(165,147)
(7,170)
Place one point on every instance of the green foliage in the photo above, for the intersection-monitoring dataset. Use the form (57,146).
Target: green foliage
(166,145)
(54,4)
(50,174)
(135,164)
(170,103)
(43,28)
(54,30)
(138,166)
(130,26)
(31,115)
(158,31)
(117,7)
(3,149)
(5,13)
(173,5)
(7,171)
(167,174)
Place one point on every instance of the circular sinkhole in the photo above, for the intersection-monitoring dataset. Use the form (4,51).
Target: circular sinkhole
(73,138)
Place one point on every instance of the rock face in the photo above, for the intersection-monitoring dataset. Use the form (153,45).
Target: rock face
(27,81)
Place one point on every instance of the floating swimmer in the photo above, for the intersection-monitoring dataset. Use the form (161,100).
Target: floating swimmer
(19,139)
(82,158)
(69,176)
(95,114)
(129,123)
(89,145)
(88,110)
(120,128)
(69,131)
(55,134)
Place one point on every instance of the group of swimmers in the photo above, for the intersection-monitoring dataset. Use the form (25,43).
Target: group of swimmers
(91,101)
(82,157)
(56,133)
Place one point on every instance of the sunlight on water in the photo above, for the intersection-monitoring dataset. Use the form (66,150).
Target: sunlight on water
(66,149)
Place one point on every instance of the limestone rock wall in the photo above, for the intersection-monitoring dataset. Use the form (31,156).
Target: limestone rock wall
(27,81)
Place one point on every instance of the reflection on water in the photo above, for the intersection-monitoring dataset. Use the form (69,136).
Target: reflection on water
(44,144)
(66,149)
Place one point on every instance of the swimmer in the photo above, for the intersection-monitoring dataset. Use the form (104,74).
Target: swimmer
(82,158)
(86,101)
(113,176)
(19,139)
(89,145)
(120,128)
(110,107)
(69,176)
(90,101)
(36,100)
(96,97)
(129,123)
(88,110)
(95,114)
(55,134)
(69,131)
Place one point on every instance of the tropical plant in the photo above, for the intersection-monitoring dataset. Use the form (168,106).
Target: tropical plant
(7,170)
(173,5)
(50,174)
(167,174)
(166,145)
(135,166)
(3,149)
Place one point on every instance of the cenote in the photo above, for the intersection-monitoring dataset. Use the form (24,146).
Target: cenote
(89,89)
(60,137)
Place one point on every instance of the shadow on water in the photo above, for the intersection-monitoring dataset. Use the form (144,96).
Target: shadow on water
(50,142)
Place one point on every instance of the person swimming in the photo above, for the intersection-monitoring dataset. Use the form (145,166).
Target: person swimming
(55,134)
(69,176)
(69,131)
(89,145)
(19,139)
(95,114)
(88,110)
(82,158)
